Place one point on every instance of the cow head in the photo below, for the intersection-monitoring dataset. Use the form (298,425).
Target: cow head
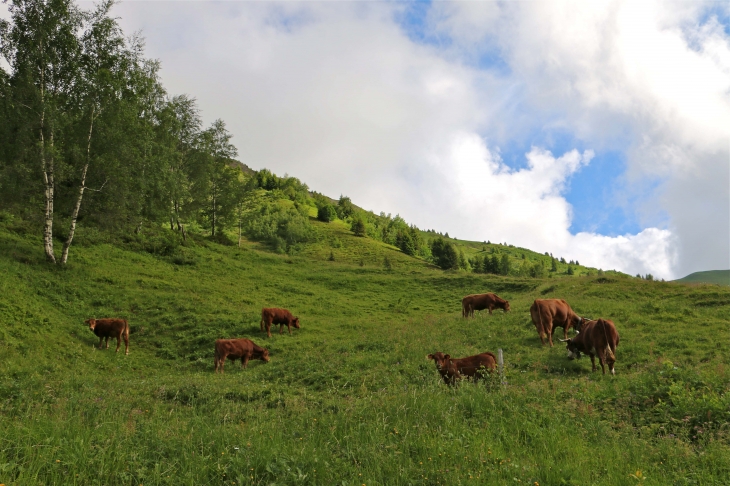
(91,323)
(296,322)
(265,356)
(440,359)
(572,348)
(506,306)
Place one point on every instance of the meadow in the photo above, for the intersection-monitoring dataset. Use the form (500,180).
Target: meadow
(349,398)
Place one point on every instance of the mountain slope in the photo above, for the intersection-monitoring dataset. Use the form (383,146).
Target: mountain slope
(349,396)
(721,277)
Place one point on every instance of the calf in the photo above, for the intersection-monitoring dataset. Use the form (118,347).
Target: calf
(596,338)
(490,301)
(274,315)
(106,328)
(547,314)
(243,349)
(471,366)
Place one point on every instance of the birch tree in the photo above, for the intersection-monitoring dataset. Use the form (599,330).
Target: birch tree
(42,48)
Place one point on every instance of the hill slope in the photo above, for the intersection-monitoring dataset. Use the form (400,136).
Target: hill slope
(349,398)
(721,277)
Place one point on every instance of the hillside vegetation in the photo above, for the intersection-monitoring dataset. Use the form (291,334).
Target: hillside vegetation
(349,398)
(720,277)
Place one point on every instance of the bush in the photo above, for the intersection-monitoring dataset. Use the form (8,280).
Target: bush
(326,213)
(358,227)
(280,227)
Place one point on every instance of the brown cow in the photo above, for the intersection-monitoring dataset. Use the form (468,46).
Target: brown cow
(106,328)
(243,349)
(277,316)
(547,314)
(490,301)
(596,338)
(472,366)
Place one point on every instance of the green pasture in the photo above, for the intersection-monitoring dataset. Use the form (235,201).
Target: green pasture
(348,399)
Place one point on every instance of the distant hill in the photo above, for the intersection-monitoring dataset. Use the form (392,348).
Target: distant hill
(721,277)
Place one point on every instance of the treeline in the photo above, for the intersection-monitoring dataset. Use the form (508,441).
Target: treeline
(90,136)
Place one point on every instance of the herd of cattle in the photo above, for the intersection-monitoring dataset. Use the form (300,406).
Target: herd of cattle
(595,337)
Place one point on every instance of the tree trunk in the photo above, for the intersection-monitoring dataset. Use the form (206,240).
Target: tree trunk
(47,169)
(82,187)
(48,193)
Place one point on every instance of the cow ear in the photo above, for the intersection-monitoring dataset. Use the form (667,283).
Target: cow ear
(430,356)
(447,357)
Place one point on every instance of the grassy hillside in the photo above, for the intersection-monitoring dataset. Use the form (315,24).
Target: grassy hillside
(720,277)
(349,398)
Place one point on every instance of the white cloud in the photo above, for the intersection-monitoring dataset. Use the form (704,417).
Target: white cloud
(339,96)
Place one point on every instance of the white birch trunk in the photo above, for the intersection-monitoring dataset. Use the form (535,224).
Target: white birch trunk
(82,187)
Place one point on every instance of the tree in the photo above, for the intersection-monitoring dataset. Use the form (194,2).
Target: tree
(504,265)
(42,48)
(444,254)
(345,209)
(101,79)
(463,263)
(358,226)
(216,181)
(326,213)
(553,264)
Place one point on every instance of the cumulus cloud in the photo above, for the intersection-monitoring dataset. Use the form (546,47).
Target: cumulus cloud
(339,95)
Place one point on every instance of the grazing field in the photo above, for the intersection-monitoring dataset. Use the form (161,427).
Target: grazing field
(350,397)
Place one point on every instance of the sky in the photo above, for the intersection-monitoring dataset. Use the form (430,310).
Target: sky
(597,131)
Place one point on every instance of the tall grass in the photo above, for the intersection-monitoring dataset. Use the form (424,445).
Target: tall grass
(349,398)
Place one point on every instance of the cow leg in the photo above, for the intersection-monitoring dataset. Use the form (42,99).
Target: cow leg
(289,326)
(593,362)
(222,362)
(281,328)
(119,342)
(126,343)
(551,331)
(268,329)
(101,342)
(490,310)
(244,361)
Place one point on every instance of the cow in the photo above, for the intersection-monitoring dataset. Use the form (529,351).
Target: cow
(490,301)
(547,314)
(451,369)
(106,328)
(277,316)
(596,338)
(243,349)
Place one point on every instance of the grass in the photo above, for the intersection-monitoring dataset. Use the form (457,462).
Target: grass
(349,398)
(720,277)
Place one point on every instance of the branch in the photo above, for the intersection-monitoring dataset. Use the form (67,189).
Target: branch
(86,188)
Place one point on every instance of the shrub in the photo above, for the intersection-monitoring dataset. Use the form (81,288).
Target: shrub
(358,227)
(326,213)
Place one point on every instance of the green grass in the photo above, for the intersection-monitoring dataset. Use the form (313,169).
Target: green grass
(349,398)
(720,277)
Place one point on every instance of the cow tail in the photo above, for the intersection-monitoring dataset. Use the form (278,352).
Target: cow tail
(539,317)
(608,344)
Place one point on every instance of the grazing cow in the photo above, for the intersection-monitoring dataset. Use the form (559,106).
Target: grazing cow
(472,366)
(547,314)
(596,338)
(490,301)
(243,349)
(106,328)
(277,316)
